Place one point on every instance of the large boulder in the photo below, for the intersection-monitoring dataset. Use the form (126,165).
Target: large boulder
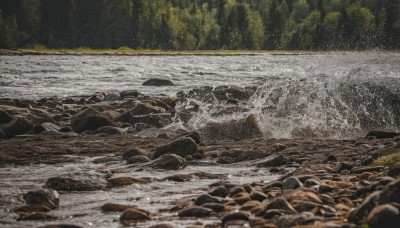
(89,119)
(16,126)
(183,147)
(246,128)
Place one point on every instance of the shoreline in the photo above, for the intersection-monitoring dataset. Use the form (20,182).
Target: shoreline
(124,147)
(116,52)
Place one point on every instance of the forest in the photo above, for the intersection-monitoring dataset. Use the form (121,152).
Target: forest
(201,24)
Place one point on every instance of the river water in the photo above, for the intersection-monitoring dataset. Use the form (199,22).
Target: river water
(334,95)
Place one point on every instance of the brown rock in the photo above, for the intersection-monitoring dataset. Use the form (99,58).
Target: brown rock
(195,211)
(35,216)
(132,214)
(123,181)
(384,216)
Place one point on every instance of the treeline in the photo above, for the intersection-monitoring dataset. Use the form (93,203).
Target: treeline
(201,24)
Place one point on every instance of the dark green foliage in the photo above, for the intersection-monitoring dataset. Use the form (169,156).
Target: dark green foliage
(201,24)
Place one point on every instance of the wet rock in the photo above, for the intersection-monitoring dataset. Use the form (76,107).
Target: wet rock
(244,216)
(7,102)
(136,151)
(367,161)
(113,207)
(247,128)
(345,166)
(182,147)
(110,130)
(69,184)
(281,204)
(156,120)
(362,211)
(139,159)
(234,156)
(272,161)
(382,134)
(217,207)
(129,93)
(138,127)
(158,82)
(291,183)
(66,129)
(259,196)
(47,197)
(303,194)
(32,208)
(195,211)
(292,220)
(391,192)
(16,126)
(331,158)
(204,198)
(359,170)
(220,191)
(301,205)
(89,119)
(169,161)
(112,97)
(132,214)
(46,127)
(145,108)
(35,216)
(5,117)
(123,181)
(384,215)
(236,190)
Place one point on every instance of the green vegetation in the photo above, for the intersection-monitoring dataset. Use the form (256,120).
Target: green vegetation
(392,160)
(200,24)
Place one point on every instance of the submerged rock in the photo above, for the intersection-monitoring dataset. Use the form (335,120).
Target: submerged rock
(69,184)
(113,207)
(247,128)
(123,181)
(158,82)
(36,216)
(183,147)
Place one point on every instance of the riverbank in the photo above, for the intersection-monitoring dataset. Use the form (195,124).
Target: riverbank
(116,158)
(131,52)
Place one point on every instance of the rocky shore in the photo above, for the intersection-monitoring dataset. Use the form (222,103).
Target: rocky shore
(318,182)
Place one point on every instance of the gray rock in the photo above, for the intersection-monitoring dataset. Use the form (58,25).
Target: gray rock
(129,93)
(169,161)
(384,215)
(136,151)
(204,198)
(158,82)
(89,119)
(69,184)
(281,204)
(195,211)
(241,215)
(5,117)
(220,191)
(182,147)
(272,161)
(110,130)
(217,207)
(46,197)
(291,183)
(156,120)
(112,97)
(46,127)
(138,159)
(16,126)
